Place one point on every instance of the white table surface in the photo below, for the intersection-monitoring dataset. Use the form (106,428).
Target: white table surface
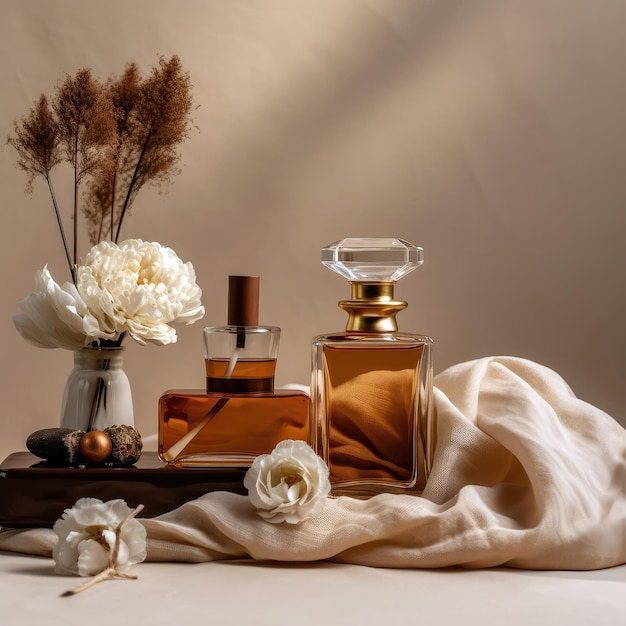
(246,593)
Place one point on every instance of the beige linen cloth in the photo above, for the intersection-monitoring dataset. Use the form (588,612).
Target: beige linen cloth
(525,474)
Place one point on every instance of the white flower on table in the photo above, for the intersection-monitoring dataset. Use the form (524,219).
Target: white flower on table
(289,485)
(140,288)
(97,538)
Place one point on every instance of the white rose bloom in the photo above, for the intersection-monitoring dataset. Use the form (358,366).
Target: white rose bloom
(56,317)
(289,485)
(139,288)
(87,536)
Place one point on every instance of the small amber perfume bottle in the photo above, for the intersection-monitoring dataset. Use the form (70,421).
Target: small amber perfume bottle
(372,385)
(239,416)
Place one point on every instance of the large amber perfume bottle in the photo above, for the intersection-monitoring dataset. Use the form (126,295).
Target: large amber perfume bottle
(240,415)
(372,385)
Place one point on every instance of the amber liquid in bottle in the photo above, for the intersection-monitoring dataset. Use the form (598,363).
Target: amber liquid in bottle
(248,376)
(369,422)
(243,427)
(374,411)
(237,418)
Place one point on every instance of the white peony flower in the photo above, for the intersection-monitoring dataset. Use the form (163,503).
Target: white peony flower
(139,288)
(87,535)
(289,485)
(56,317)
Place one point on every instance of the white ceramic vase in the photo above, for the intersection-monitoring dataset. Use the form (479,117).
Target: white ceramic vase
(97,393)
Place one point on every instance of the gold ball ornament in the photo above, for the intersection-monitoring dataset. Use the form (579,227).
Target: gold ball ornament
(95,447)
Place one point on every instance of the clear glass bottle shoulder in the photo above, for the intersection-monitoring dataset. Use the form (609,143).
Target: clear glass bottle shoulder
(382,339)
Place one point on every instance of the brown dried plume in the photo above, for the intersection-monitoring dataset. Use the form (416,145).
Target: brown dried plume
(117,136)
(153,118)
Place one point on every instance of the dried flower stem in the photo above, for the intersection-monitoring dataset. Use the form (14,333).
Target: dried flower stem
(76,183)
(71,265)
(87,130)
(156,121)
(131,187)
(111,571)
(105,574)
(37,142)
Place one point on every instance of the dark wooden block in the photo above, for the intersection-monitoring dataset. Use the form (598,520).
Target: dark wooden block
(33,493)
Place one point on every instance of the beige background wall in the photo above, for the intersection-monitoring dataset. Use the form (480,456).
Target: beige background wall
(492,133)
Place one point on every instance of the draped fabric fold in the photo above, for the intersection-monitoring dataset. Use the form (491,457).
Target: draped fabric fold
(525,474)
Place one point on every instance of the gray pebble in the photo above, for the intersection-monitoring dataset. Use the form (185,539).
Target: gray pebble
(55,445)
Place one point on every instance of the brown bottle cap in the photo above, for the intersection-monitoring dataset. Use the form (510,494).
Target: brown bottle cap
(243,300)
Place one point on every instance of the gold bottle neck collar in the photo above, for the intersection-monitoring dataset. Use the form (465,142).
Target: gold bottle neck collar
(372,308)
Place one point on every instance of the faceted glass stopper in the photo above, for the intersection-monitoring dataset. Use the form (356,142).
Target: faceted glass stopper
(372,260)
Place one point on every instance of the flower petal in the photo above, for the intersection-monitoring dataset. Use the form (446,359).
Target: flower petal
(54,316)
(92,558)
